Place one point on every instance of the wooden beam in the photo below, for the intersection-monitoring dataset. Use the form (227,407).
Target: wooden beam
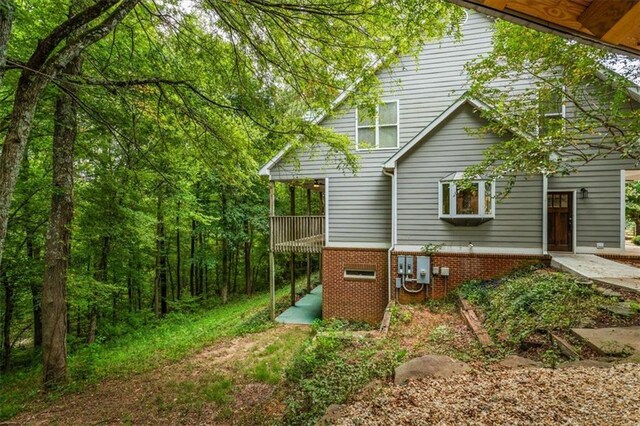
(292,261)
(626,26)
(495,4)
(272,263)
(308,254)
(609,20)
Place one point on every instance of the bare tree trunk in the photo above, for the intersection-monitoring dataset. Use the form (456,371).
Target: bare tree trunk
(192,256)
(7,9)
(161,255)
(101,276)
(33,255)
(6,323)
(178,256)
(247,258)
(57,244)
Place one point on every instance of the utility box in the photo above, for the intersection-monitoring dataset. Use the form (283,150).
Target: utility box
(423,270)
(401,261)
(444,272)
(409,265)
(398,282)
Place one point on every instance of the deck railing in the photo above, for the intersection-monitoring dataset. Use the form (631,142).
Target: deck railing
(297,234)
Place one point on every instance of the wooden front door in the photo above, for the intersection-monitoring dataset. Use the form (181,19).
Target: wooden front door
(559,221)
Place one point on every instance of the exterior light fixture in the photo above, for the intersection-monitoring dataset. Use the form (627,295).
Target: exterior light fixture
(316,184)
(584,193)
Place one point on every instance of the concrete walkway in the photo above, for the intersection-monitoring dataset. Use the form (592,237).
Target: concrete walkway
(598,269)
(307,309)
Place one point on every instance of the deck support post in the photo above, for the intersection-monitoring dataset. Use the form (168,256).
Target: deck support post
(272,262)
(292,262)
(308,254)
(321,208)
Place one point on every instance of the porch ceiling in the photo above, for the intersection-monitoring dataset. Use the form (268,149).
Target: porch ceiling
(613,24)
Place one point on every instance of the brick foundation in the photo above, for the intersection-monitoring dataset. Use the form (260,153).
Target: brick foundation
(354,299)
(365,299)
(463,267)
(629,259)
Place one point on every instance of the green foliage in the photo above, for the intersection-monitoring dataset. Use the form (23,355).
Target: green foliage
(600,121)
(519,306)
(329,369)
(636,240)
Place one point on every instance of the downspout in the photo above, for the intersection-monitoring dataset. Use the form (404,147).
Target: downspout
(394,194)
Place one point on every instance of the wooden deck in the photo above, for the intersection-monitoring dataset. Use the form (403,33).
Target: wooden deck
(297,234)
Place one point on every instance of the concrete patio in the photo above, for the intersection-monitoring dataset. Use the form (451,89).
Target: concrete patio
(306,310)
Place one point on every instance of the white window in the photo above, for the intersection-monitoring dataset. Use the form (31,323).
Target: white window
(381,131)
(476,201)
(552,111)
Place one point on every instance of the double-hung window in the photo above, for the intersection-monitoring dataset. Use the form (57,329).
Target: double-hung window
(381,131)
(551,104)
(470,204)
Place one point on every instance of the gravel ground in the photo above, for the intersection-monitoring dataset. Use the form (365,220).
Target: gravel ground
(571,396)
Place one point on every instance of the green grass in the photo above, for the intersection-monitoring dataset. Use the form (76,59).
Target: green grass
(169,340)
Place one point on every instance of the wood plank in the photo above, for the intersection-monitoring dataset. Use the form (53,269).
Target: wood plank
(625,27)
(602,15)
(565,347)
(564,13)
(495,4)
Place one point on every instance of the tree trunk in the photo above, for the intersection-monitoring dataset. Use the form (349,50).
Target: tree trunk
(45,64)
(6,323)
(192,256)
(57,243)
(247,258)
(7,9)
(33,255)
(100,275)
(161,256)
(178,256)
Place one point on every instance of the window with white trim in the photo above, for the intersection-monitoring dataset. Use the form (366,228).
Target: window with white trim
(471,204)
(552,110)
(381,131)
(360,274)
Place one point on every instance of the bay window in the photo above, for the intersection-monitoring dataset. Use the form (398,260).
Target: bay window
(468,205)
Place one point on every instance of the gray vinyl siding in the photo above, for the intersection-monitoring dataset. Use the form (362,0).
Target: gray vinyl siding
(360,206)
(598,216)
(450,148)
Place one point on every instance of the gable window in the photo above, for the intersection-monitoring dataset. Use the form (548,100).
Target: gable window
(551,104)
(467,205)
(381,131)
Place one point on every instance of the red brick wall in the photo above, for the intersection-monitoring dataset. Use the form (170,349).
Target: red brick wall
(629,259)
(463,267)
(354,299)
(365,300)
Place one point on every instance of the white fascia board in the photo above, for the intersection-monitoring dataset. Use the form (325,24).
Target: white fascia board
(359,245)
(474,250)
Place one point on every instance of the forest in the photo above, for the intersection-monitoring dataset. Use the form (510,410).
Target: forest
(133,131)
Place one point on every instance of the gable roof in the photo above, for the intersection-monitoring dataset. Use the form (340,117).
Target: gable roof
(390,164)
(376,66)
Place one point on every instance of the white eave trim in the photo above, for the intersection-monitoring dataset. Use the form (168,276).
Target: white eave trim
(390,164)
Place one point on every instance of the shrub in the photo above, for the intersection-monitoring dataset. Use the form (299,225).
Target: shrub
(520,305)
(636,240)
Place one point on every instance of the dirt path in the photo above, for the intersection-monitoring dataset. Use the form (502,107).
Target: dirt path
(230,382)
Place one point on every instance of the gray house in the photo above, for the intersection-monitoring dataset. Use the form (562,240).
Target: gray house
(374,224)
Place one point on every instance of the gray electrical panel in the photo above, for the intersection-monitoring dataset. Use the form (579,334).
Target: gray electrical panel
(423,270)
(409,265)
(401,260)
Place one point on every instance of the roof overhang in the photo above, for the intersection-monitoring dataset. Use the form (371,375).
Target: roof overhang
(612,24)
